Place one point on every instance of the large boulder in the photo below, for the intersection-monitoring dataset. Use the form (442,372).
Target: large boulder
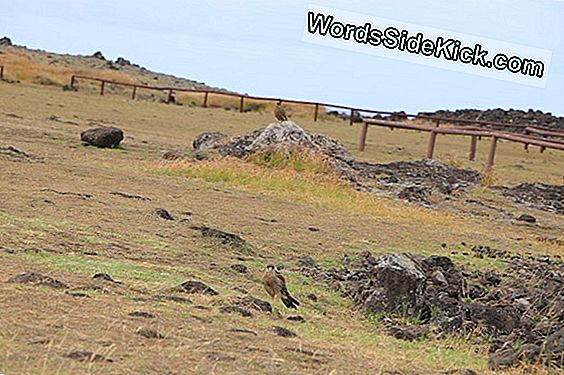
(285,135)
(102,137)
(398,285)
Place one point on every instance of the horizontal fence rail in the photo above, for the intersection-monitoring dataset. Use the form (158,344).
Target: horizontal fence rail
(474,132)
(354,111)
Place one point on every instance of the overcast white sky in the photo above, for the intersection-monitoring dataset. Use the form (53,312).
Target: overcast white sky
(255,46)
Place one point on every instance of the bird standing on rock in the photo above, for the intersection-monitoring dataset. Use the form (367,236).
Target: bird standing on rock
(279,112)
(275,286)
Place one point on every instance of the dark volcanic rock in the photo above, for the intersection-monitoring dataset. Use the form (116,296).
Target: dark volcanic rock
(5,41)
(149,333)
(543,197)
(104,137)
(208,140)
(164,214)
(284,332)
(255,303)
(527,218)
(37,279)
(194,286)
(520,311)
(511,116)
(398,284)
(225,238)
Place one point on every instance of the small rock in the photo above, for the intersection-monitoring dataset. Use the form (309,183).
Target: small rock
(37,279)
(105,277)
(527,218)
(85,356)
(256,303)
(505,358)
(164,214)
(141,314)
(241,268)
(194,286)
(149,333)
(312,297)
(230,309)
(313,229)
(284,332)
(296,318)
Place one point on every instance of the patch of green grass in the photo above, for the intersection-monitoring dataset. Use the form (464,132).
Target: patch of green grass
(37,224)
(293,159)
(118,269)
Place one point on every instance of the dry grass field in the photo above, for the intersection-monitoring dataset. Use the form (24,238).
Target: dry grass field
(59,217)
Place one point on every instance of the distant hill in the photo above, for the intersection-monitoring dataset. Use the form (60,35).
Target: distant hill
(47,68)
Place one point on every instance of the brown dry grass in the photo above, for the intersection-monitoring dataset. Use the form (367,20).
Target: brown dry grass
(71,238)
(20,66)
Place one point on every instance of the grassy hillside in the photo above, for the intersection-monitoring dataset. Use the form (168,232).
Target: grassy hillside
(60,216)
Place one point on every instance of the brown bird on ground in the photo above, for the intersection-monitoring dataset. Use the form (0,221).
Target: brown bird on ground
(279,112)
(275,285)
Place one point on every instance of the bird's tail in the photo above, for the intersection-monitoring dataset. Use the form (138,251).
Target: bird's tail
(289,301)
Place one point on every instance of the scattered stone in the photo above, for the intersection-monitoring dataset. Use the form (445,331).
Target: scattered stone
(230,309)
(194,286)
(301,350)
(241,268)
(313,229)
(104,137)
(527,218)
(256,304)
(149,333)
(407,333)
(172,156)
(312,297)
(130,196)
(214,356)
(37,279)
(296,318)
(105,277)
(70,193)
(98,55)
(85,356)
(5,41)
(505,358)
(142,314)
(283,332)
(245,331)
(69,88)
(223,237)
(164,214)
(511,116)
(541,196)
(18,155)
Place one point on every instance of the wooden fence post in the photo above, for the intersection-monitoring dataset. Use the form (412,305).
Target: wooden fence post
(1,71)
(437,123)
(71,83)
(316,112)
(134,92)
(241,104)
(431,145)
(102,87)
(473,144)
(169,96)
(491,155)
(351,117)
(363,134)
(206,99)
